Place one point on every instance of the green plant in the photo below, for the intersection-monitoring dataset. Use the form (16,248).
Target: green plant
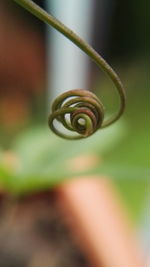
(42,157)
(85,109)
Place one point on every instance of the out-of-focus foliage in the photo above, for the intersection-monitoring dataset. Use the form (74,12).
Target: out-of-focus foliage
(43,158)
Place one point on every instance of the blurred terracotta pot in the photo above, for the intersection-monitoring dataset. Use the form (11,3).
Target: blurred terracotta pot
(99,222)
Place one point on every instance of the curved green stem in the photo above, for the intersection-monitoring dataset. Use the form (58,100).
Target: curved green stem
(52,21)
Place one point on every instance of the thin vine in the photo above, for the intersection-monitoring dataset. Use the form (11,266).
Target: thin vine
(85,111)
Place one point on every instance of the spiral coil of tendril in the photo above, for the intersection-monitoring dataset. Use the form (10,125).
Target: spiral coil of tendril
(85,111)
(79,111)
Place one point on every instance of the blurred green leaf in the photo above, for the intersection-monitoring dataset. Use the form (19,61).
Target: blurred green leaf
(42,157)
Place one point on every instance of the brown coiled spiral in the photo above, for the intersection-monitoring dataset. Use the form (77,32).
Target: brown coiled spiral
(78,111)
(85,111)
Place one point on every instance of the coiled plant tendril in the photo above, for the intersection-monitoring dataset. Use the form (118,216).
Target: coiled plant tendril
(84,109)
(85,112)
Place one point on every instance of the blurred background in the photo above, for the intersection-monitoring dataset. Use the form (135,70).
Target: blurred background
(36,64)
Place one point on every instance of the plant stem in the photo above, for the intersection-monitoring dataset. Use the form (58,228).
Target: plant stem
(101,63)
